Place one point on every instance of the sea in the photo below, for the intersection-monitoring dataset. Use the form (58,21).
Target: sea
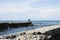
(37,24)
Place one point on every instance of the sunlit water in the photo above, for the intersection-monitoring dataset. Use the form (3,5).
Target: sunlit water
(37,24)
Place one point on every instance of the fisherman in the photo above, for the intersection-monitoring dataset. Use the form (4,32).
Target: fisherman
(29,20)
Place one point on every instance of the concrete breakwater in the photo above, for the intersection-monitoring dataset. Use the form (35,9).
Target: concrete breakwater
(45,33)
(14,25)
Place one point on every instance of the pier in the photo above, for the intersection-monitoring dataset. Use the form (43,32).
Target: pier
(6,25)
(44,33)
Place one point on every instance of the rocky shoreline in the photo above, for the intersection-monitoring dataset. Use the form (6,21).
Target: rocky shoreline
(45,33)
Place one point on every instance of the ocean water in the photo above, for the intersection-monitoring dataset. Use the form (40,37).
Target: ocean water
(37,24)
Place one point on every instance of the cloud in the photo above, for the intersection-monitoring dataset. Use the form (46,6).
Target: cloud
(14,11)
(49,12)
(18,11)
(13,8)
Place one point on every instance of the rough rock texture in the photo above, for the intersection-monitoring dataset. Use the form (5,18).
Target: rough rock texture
(27,36)
(49,34)
(55,34)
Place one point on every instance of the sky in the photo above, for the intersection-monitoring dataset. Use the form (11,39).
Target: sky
(30,9)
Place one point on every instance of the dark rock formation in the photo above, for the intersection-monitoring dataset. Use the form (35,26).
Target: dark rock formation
(55,34)
(36,33)
(23,33)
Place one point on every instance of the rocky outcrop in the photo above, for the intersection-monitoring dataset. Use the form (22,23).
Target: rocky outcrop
(26,36)
(53,33)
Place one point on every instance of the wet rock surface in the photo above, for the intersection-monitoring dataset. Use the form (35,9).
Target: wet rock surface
(53,34)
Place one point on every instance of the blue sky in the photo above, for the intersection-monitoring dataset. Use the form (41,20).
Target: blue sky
(30,9)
